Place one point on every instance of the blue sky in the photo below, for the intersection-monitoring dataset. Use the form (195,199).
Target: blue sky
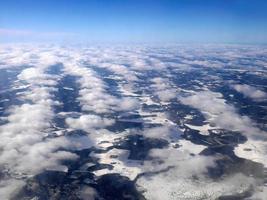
(197,21)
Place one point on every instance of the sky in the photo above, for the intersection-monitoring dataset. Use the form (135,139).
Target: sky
(156,21)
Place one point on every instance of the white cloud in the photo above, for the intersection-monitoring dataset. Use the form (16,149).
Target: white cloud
(223,115)
(128,104)
(93,93)
(217,111)
(185,164)
(179,175)
(162,88)
(88,122)
(25,147)
(251,92)
(121,70)
(163,132)
(8,188)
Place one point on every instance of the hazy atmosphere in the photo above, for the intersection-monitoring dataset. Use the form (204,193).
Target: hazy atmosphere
(182,21)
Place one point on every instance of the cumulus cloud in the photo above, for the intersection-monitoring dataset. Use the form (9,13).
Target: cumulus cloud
(44,155)
(29,145)
(251,92)
(9,187)
(23,137)
(88,122)
(164,132)
(179,175)
(93,93)
(185,164)
(128,104)
(121,70)
(25,147)
(223,115)
(27,55)
(163,89)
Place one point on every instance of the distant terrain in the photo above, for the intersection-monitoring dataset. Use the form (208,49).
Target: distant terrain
(173,122)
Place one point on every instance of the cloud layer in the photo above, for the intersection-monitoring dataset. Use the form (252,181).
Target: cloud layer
(152,114)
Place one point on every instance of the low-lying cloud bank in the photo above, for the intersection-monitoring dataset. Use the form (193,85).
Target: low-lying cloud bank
(150,86)
(225,116)
(26,149)
(251,92)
